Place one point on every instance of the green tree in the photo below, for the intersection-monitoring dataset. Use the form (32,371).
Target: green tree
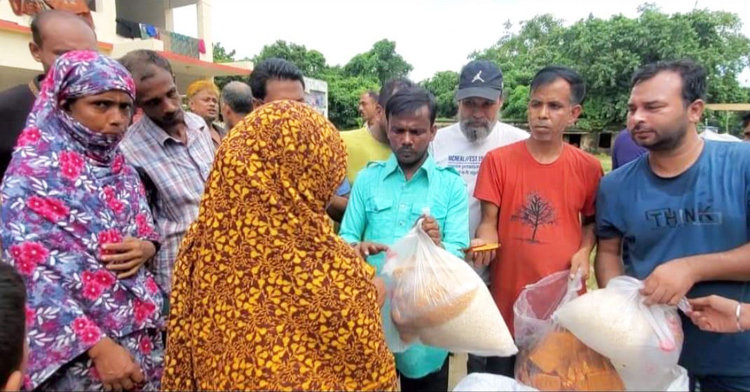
(343,97)
(381,63)
(311,62)
(443,86)
(607,51)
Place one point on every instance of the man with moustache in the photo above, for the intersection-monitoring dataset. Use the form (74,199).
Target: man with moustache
(172,150)
(390,196)
(464,144)
(537,199)
(683,212)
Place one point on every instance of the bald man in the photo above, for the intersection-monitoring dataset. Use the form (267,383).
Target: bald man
(236,103)
(53,33)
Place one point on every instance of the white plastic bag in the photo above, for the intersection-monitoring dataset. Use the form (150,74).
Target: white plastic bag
(442,299)
(551,358)
(643,342)
(535,305)
(483,382)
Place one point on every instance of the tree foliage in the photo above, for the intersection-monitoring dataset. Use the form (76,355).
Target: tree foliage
(443,86)
(381,63)
(221,55)
(311,62)
(605,51)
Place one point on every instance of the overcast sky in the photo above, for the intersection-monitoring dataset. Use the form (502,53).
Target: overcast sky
(433,36)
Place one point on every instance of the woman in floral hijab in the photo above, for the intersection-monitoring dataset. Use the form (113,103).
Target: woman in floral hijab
(76,225)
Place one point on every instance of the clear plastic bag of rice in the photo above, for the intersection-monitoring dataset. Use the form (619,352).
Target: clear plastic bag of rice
(440,300)
(643,342)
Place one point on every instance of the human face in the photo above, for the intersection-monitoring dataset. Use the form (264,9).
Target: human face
(205,104)
(658,118)
(551,111)
(107,113)
(159,99)
(478,116)
(59,36)
(410,135)
(367,107)
(746,133)
(282,89)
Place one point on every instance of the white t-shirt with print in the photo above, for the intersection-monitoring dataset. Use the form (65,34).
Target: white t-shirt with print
(452,148)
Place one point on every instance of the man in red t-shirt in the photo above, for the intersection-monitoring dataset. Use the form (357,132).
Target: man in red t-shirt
(538,199)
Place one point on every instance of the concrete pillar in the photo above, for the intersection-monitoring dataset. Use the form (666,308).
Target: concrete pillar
(204,29)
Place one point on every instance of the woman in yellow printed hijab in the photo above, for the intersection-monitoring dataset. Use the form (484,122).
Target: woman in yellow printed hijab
(265,295)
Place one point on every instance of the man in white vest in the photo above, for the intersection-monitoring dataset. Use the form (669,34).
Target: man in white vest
(464,144)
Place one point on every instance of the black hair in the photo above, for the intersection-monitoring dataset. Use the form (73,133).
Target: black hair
(693,77)
(391,87)
(373,95)
(37,23)
(552,73)
(13,316)
(238,97)
(140,63)
(270,69)
(745,120)
(410,100)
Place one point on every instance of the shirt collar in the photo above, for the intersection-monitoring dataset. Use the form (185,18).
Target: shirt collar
(391,166)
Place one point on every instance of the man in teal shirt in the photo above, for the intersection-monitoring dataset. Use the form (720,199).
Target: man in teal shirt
(387,200)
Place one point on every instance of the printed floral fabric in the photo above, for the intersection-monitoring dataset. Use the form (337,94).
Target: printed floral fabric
(265,296)
(67,192)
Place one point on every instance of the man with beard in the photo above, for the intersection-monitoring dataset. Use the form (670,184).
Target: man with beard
(464,144)
(389,197)
(682,209)
(172,150)
(538,199)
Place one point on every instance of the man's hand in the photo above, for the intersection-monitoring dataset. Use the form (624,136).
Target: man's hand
(481,258)
(430,226)
(715,314)
(366,249)
(669,282)
(115,366)
(130,255)
(580,262)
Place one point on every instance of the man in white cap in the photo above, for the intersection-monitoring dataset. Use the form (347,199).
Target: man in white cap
(464,144)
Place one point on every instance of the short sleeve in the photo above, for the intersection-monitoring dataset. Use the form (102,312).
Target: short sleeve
(609,216)
(489,182)
(592,188)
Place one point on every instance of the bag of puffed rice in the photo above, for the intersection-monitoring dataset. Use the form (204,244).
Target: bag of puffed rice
(643,342)
(441,300)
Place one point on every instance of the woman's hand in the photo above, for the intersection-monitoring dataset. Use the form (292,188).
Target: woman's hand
(130,255)
(716,314)
(115,366)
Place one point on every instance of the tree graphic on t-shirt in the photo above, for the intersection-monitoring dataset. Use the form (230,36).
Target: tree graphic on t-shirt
(535,212)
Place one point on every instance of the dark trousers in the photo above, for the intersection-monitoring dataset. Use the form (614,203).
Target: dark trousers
(503,366)
(719,383)
(476,364)
(437,381)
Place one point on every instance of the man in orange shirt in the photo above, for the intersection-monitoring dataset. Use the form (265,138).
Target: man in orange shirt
(538,199)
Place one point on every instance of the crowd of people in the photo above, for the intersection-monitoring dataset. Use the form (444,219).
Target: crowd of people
(158,248)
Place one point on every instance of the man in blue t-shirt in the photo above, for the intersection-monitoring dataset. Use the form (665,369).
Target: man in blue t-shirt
(683,212)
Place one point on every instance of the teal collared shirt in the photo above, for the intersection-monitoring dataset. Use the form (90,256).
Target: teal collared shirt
(383,207)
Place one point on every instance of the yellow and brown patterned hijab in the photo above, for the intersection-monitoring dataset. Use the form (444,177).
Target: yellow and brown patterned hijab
(265,295)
